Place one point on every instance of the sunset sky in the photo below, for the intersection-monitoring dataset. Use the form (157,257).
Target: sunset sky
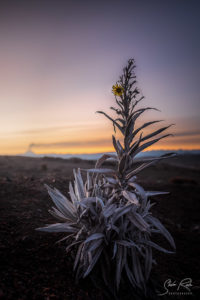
(59,60)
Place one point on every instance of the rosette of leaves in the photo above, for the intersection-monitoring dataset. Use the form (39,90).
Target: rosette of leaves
(108,218)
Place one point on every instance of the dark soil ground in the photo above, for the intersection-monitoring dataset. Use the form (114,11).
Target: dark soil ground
(32,266)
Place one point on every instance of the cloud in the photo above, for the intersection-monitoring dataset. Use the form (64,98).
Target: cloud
(103,142)
(67,127)
(100,142)
(40,130)
(50,129)
(187,133)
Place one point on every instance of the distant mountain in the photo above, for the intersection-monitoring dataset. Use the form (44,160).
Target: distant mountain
(30,154)
(95,156)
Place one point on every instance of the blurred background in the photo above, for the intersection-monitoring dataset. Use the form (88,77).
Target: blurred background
(59,60)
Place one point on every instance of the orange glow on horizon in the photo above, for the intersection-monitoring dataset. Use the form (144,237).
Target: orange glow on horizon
(93,150)
(95,138)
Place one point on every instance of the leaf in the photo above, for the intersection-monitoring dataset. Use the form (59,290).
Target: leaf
(159,248)
(139,169)
(148,262)
(125,243)
(122,163)
(111,180)
(135,115)
(103,158)
(77,258)
(88,205)
(100,201)
(142,110)
(137,101)
(115,228)
(62,203)
(119,265)
(130,275)
(57,214)
(146,159)
(120,104)
(58,227)
(163,230)
(116,110)
(79,233)
(118,147)
(146,207)
(119,212)
(65,238)
(121,120)
(72,194)
(147,164)
(130,197)
(72,244)
(148,144)
(79,185)
(129,127)
(115,145)
(132,179)
(136,267)
(139,222)
(114,250)
(95,244)
(94,261)
(155,193)
(135,145)
(114,122)
(89,183)
(108,211)
(155,133)
(108,185)
(145,125)
(94,236)
(100,171)
(139,189)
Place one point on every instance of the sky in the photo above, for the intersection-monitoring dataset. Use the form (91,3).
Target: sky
(59,60)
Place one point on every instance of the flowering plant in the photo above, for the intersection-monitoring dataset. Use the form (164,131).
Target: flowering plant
(108,218)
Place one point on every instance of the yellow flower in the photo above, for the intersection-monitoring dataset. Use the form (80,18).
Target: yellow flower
(117,90)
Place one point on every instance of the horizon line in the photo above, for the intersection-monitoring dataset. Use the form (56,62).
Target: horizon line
(29,153)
